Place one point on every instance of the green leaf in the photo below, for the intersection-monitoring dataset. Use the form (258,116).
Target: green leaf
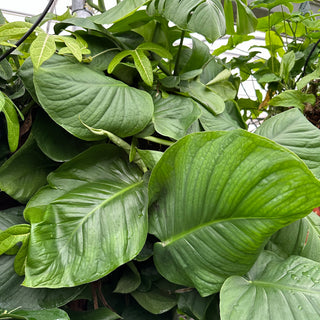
(11,236)
(246,20)
(155,301)
(21,257)
(222,76)
(25,171)
(56,143)
(56,314)
(174,115)
(124,9)
(292,284)
(73,45)
(14,30)
(5,69)
(117,59)
(201,16)
(204,95)
(270,4)
(129,281)
(12,120)
(301,238)
(99,314)
(92,210)
(71,93)
(159,50)
(286,65)
(42,49)
(292,98)
(229,119)
(10,282)
(150,157)
(214,226)
(143,66)
(274,43)
(79,22)
(308,78)
(293,131)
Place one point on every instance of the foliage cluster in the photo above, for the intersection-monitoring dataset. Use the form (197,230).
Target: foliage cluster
(136,190)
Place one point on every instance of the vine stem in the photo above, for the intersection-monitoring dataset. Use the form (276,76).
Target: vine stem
(176,66)
(158,140)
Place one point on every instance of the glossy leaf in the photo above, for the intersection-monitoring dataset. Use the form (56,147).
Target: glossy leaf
(283,289)
(55,142)
(293,131)
(42,49)
(92,210)
(292,98)
(25,172)
(124,9)
(71,93)
(12,293)
(301,238)
(129,281)
(174,115)
(117,59)
(214,225)
(207,17)
(11,236)
(150,157)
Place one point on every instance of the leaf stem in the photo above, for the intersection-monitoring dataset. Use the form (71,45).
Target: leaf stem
(102,5)
(92,5)
(105,51)
(158,140)
(176,66)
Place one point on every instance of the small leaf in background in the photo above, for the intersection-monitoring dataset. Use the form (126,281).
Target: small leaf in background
(130,280)
(155,301)
(5,69)
(292,130)
(159,50)
(13,235)
(301,238)
(286,65)
(292,98)
(143,66)
(42,49)
(274,43)
(204,95)
(309,77)
(117,59)
(12,120)
(284,289)
(41,314)
(150,157)
(98,314)
(73,45)
(174,115)
(25,172)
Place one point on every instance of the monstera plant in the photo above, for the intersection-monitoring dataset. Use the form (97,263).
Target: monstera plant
(130,185)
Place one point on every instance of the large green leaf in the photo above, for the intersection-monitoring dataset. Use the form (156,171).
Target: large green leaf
(215,197)
(12,293)
(174,115)
(71,93)
(52,314)
(301,238)
(203,16)
(293,131)
(292,98)
(89,220)
(25,172)
(275,289)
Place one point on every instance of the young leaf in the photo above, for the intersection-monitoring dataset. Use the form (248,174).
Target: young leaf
(143,66)
(287,63)
(292,98)
(160,51)
(293,284)
(73,46)
(117,59)
(237,209)
(42,49)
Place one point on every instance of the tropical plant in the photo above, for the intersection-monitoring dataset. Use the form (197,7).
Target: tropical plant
(135,189)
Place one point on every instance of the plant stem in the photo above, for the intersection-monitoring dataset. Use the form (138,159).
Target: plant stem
(92,5)
(176,66)
(102,6)
(164,69)
(158,140)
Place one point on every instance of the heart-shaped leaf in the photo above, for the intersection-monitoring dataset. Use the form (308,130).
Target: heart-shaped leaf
(215,198)
(71,92)
(293,131)
(275,289)
(89,220)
